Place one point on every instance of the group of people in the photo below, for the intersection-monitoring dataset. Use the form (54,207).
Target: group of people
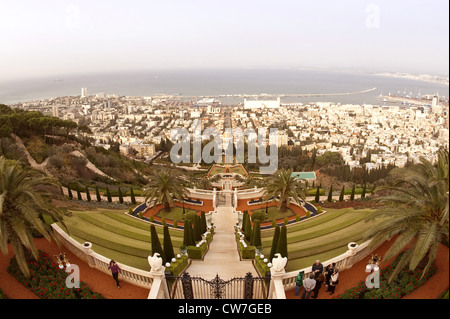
(319,276)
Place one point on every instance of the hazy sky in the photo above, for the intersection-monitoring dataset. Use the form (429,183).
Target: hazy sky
(59,37)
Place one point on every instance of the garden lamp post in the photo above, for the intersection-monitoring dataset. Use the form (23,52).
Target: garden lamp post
(373,264)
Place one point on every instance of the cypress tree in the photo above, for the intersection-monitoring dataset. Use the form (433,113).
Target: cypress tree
(186,235)
(204,224)
(352,196)
(256,237)
(197,228)
(108,194)
(88,195)
(156,245)
(244,220)
(282,242)
(168,246)
(192,233)
(276,237)
(363,194)
(317,198)
(97,193)
(69,193)
(248,228)
(120,196)
(341,196)
(133,199)
(330,194)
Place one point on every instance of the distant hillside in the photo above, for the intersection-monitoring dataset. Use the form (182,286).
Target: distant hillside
(63,149)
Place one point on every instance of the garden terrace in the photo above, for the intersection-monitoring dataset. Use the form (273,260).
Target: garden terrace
(323,237)
(117,236)
(221,169)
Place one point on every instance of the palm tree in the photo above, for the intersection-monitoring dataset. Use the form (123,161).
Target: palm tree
(203,183)
(163,188)
(23,204)
(418,205)
(284,185)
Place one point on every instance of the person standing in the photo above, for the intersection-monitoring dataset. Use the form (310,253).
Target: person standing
(115,270)
(328,272)
(317,268)
(334,281)
(299,282)
(319,281)
(309,284)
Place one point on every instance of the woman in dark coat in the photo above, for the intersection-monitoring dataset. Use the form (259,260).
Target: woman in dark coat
(328,272)
(319,281)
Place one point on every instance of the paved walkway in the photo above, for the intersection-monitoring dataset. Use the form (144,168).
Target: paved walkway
(222,257)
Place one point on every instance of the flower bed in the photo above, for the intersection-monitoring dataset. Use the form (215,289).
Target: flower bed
(2,295)
(406,282)
(47,281)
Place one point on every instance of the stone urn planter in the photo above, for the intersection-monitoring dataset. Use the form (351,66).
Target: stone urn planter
(352,248)
(87,247)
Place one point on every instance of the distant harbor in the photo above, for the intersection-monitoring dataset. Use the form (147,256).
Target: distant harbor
(230,86)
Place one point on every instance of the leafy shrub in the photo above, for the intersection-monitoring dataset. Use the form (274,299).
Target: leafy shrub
(406,282)
(2,295)
(258,216)
(190,216)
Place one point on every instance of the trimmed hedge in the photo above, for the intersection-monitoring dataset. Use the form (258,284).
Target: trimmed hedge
(179,266)
(195,252)
(261,266)
(245,252)
(47,281)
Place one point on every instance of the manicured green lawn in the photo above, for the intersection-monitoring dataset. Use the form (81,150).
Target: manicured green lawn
(323,237)
(216,170)
(274,213)
(176,213)
(118,236)
(239,170)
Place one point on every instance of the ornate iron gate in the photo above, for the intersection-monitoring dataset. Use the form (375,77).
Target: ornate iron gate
(187,287)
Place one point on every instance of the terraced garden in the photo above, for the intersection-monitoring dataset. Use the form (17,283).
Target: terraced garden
(117,236)
(127,240)
(323,237)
